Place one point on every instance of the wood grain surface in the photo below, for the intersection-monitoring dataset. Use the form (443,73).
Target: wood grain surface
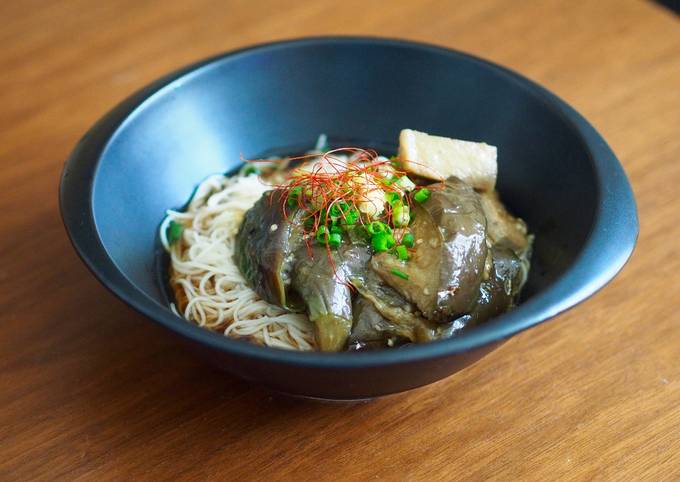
(91,390)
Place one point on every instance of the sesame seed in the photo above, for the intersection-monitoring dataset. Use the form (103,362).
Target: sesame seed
(274,227)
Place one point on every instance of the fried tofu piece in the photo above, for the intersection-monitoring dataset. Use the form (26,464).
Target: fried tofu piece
(438,158)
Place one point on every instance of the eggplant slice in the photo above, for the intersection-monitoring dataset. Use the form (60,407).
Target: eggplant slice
(469,265)
(394,317)
(497,294)
(445,271)
(265,247)
(321,279)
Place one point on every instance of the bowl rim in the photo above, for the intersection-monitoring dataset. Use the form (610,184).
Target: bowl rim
(608,247)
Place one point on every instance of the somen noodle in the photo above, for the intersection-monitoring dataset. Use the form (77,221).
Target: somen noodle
(203,271)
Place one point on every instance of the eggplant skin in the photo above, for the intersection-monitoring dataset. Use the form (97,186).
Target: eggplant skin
(266,243)
(498,293)
(445,272)
(457,210)
(390,316)
(324,288)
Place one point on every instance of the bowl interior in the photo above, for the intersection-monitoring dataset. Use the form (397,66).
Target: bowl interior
(281,98)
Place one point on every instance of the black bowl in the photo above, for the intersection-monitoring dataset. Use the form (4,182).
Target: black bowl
(150,152)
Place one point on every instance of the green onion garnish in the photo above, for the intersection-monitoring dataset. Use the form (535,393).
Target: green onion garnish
(382,242)
(351,216)
(392,197)
(405,183)
(376,227)
(422,195)
(322,217)
(174,232)
(295,191)
(294,195)
(402,253)
(408,240)
(334,212)
(322,235)
(336,230)
(400,214)
(249,169)
(401,274)
(335,240)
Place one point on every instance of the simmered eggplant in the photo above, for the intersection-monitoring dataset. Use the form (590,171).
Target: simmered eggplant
(497,293)
(399,318)
(265,248)
(371,330)
(444,274)
(425,262)
(322,281)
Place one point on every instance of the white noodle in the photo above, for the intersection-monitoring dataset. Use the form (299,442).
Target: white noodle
(203,268)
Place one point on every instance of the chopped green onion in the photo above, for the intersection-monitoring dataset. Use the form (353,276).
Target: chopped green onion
(294,195)
(405,183)
(392,197)
(295,191)
(335,240)
(422,195)
(401,274)
(322,235)
(174,232)
(334,211)
(408,240)
(336,230)
(402,253)
(400,214)
(382,242)
(249,169)
(386,181)
(376,227)
(351,216)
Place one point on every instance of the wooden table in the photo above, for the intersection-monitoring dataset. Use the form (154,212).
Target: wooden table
(89,389)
